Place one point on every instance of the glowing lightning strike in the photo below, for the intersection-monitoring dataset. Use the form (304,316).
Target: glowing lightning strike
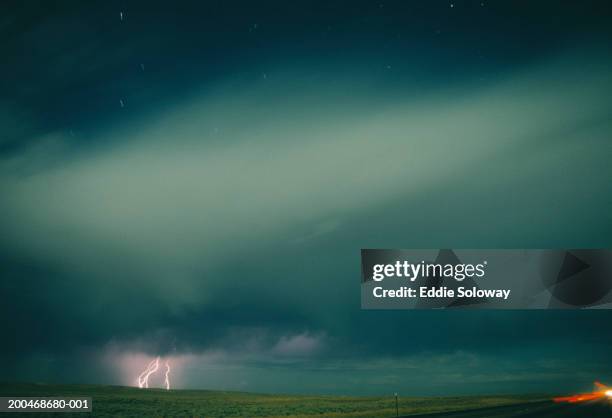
(143,378)
(167,379)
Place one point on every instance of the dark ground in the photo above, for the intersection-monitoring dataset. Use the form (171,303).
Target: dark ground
(544,409)
(119,401)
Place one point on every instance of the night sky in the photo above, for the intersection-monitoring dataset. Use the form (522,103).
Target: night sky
(196,179)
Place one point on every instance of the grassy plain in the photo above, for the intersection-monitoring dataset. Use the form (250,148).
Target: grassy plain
(118,401)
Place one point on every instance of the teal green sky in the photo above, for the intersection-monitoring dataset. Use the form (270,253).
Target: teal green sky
(197,183)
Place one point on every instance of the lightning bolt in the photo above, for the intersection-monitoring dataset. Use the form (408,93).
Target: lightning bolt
(167,378)
(143,378)
(153,367)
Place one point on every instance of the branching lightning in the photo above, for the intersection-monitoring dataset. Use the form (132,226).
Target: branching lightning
(153,367)
(143,378)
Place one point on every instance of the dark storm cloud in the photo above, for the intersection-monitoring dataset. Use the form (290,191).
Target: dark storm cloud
(217,216)
(67,65)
